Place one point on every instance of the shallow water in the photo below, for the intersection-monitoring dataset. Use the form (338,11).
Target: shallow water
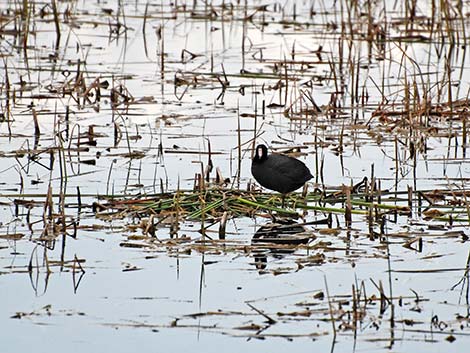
(191,292)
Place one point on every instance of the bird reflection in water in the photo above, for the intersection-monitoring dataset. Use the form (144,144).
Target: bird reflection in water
(278,239)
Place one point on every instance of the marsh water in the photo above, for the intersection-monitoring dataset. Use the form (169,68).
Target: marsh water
(107,102)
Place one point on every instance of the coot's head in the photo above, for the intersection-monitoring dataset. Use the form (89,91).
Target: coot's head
(261,153)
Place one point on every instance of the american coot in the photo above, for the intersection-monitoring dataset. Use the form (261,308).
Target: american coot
(278,172)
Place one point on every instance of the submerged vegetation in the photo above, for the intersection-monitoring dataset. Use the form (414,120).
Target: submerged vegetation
(127,130)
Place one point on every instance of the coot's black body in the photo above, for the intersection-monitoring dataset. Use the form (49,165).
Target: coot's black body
(278,172)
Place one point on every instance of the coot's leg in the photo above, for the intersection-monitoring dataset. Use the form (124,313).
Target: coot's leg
(283,198)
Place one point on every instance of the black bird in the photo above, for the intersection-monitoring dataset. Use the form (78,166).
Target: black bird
(279,172)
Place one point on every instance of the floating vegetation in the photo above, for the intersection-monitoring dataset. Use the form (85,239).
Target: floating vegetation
(213,204)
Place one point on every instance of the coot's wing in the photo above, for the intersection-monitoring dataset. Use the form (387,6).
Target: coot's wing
(280,173)
(291,168)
